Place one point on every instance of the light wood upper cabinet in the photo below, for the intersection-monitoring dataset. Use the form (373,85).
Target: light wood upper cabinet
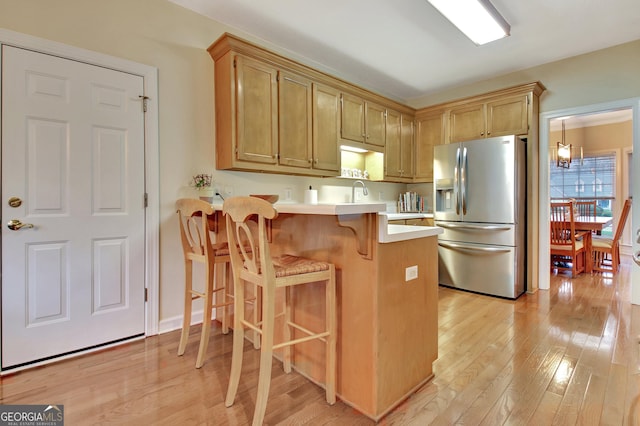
(295,120)
(276,115)
(508,116)
(503,116)
(467,122)
(363,121)
(399,153)
(375,124)
(257,111)
(352,120)
(429,132)
(326,128)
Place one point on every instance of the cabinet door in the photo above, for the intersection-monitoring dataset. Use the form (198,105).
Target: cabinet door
(393,146)
(326,128)
(467,123)
(375,119)
(295,120)
(406,145)
(508,116)
(257,111)
(352,123)
(429,132)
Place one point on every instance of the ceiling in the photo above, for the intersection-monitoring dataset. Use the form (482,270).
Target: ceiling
(588,120)
(405,49)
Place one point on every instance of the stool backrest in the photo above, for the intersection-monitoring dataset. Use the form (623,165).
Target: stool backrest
(194,228)
(251,254)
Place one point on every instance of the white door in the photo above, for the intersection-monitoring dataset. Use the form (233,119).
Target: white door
(73,167)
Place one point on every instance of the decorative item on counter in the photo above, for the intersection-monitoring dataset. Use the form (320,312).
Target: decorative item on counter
(202,182)
(411,202)
(311,196)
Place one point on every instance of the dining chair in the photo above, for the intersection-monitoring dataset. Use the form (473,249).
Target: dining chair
(606,251)
(569,249)
(586,208)
(197,247)
(284,272)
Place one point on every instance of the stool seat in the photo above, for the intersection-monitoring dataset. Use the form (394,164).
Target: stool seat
(256,266)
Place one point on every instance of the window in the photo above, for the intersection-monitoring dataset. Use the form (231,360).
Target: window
(595,179)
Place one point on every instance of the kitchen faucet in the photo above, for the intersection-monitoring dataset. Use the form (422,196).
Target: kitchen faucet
(365,191)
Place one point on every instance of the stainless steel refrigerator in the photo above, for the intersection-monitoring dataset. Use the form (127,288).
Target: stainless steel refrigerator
(480,201)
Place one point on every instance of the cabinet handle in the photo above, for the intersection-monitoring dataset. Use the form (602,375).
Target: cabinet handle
(481,133)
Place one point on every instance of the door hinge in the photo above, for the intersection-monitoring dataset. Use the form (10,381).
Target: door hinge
(146,294)
(146,200)
(144,102)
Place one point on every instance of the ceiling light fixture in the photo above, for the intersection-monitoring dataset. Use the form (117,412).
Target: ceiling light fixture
(565,152)
(477,19)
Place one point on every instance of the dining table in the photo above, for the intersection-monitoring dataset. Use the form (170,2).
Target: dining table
(592,223)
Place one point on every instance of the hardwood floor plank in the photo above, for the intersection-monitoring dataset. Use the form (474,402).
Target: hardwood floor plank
(567,355)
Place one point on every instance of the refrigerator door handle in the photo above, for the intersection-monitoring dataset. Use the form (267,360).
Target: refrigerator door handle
(481,249)
(463,180)
(480,227)
(456,188)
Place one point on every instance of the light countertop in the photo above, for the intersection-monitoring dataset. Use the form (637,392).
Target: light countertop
(325,209)
(389,233)
(400,216)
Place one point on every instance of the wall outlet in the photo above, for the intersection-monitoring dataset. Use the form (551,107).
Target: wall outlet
(287,194)
(411,273)
(358,194)
(380,196)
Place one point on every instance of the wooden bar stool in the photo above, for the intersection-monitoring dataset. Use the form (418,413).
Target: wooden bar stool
(269,274)
(197,247)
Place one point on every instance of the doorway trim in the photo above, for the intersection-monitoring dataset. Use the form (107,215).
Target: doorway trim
(543,168)
(151,148)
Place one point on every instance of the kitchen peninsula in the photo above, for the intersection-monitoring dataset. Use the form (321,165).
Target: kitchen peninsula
(387,295)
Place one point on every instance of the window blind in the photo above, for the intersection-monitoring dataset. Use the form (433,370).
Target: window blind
(595,179)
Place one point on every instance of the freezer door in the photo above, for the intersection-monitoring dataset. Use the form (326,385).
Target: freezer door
(500,234)
(492,270)
(492,180)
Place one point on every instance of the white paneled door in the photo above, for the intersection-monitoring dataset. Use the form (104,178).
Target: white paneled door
(73,217)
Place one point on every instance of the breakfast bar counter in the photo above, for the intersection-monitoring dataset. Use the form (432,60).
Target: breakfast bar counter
(387,296)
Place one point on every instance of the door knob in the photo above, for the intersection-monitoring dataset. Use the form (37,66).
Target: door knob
(16,225)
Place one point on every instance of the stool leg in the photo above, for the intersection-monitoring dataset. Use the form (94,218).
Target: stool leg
(186,320)
(238,342)
(331,321)
(225,297)
(257,314)
(206,317)
(286,358)
(266,353)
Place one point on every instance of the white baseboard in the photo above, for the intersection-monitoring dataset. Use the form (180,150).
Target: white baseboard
(175,323)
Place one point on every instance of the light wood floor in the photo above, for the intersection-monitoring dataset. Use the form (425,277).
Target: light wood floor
(560,357)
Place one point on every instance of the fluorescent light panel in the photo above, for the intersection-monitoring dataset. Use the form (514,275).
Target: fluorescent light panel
(477,19)
(352,149)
